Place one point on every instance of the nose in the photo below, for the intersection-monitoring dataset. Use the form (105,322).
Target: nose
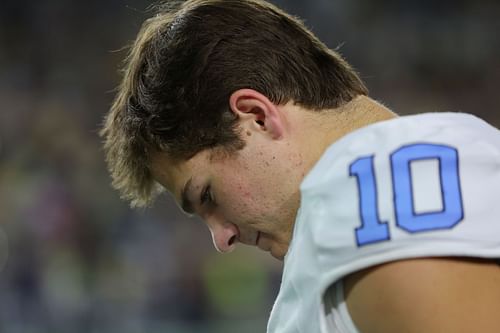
(224,235)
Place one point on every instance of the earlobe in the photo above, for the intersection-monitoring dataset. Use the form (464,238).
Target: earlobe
(257,113)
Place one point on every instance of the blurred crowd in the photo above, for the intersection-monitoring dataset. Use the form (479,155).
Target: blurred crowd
(74,258)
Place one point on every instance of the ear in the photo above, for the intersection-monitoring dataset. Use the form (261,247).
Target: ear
(257,113)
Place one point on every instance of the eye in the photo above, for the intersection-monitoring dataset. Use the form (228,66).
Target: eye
(206,195)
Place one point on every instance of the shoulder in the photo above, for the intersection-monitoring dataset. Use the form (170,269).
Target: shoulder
(426,295)
(382,139)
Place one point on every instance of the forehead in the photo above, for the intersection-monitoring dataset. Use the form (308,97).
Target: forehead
(174,174)
(168,172)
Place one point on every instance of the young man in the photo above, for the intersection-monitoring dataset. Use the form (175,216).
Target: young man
(385,224)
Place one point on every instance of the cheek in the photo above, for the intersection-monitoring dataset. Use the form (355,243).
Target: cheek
(244,192)
(239,197)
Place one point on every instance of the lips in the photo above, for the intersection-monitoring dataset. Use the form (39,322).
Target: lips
(257,238)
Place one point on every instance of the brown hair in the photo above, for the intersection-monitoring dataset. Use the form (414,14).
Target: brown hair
(187,61)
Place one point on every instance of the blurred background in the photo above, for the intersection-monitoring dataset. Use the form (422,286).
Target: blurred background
(74,258)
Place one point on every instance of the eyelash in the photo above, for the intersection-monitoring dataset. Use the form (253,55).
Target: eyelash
(206,196)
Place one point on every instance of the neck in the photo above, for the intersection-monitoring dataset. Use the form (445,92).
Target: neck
(331,125)
(360,112)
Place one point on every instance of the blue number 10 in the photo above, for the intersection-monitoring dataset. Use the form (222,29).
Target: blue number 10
(372,229)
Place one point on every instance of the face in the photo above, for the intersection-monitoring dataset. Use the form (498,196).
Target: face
(250,196)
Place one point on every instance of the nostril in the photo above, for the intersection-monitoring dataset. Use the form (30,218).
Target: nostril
(232,240)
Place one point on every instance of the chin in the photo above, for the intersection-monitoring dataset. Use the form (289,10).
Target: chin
(279,253)
(279,257)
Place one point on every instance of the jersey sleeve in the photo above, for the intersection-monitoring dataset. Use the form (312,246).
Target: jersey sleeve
(419,186)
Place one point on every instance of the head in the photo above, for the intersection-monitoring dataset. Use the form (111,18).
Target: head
(207,88)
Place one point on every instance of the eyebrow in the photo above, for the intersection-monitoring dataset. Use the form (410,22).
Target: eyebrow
(186,204)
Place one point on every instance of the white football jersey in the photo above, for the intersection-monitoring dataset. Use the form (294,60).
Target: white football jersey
(415,186)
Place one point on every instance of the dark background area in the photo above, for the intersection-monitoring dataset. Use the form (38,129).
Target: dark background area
(74,258)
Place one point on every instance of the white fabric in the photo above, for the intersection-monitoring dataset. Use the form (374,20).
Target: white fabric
(337,317)
(324,247)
